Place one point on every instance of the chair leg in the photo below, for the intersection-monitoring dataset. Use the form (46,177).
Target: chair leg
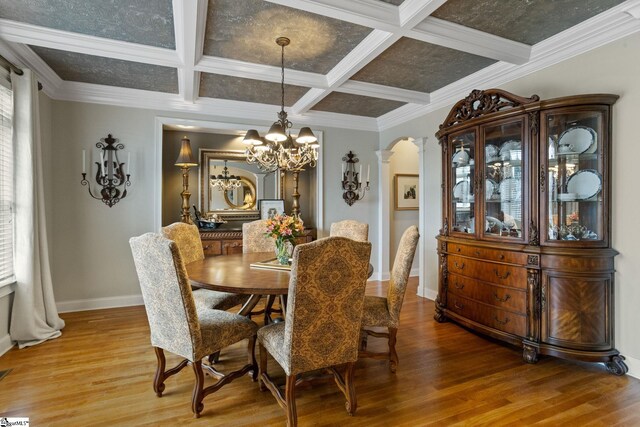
(268,308)
(158,381)
(262,368)
(214,357)
(290,400)
(251,353)
(352,402)
(393,356)
(198,395)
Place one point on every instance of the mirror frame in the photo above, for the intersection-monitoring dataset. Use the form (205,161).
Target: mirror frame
(252,187)
(207,154)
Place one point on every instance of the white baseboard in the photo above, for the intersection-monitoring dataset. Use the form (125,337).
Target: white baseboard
(414,272)
(5,344)
(98,303)
(634,366)
(429,294)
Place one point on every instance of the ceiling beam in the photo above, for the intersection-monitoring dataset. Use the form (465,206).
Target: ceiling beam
(18,32)
(412,12)
(385,92)
(22,56)
(187,31)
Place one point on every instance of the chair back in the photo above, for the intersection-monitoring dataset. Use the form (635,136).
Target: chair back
(254,239)
(167,295)
(187,237)
(401,270)
(350,229)
(325,305)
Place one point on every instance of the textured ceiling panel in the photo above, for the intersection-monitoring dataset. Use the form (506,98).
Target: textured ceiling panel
(345,103)
(239,89)
(148,22)
(415,65)
(526,21)
(78,67)
(246,30)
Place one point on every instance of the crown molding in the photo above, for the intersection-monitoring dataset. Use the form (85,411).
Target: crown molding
(355,87)
(24,57)
(19,32)
(600,30)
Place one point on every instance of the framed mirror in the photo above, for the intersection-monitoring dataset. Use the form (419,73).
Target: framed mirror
(239,203)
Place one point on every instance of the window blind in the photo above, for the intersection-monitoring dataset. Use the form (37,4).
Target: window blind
(6,186)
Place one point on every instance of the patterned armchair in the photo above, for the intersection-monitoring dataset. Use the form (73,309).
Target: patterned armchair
(187,237)
(318,332)
(253,238)
(385,312)
(177,325)
(350,229)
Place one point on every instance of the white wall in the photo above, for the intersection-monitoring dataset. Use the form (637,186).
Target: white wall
(614,68)
(403,161)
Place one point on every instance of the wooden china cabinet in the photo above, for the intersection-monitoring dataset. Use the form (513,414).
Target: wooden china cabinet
(525,253)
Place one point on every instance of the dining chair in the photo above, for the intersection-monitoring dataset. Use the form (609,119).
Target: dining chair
(187,237)
(178,326)
(324,314)
(254,238)
(385,311)
(350,229)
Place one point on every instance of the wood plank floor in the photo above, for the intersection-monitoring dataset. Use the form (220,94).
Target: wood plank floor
(100,373)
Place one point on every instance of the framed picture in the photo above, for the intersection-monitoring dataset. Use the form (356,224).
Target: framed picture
(270,207)
(406,192)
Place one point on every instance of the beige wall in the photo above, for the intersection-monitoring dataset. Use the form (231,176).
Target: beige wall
(614,68)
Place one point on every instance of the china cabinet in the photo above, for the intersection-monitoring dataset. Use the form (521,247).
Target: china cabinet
(525,253)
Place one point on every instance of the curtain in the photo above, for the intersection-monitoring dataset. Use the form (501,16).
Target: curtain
(34,317)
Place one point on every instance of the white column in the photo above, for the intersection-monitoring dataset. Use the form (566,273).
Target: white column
(384,226)
(422,211)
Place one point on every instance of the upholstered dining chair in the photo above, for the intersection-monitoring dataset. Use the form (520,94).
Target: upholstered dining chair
(187,237)
(350,229)
(324,313)
(385,311)
(177,325)
(254,239)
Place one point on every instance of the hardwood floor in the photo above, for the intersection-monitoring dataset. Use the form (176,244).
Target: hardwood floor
(100,372)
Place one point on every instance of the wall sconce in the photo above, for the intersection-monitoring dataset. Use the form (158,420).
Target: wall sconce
(185,161)
(111,174)
(352,189)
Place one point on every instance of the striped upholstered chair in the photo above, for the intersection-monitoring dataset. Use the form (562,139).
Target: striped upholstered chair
(187,237)
(318,332)
(385,311)
(350,229)
(177,325)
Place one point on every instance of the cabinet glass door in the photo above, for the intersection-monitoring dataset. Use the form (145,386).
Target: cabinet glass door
(575,170)
(462,149)
(504,161)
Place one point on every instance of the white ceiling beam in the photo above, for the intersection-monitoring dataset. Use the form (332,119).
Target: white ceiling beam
(412,12)
(249,70)
(465,39)
(385,92)
(22,56)
(18,32)
(368,13)
(185,19)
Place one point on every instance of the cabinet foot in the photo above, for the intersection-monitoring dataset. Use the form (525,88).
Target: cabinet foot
(529,354)
(439,315)
(616,365)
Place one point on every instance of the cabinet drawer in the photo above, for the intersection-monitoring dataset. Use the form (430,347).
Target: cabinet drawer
(490,316)
(212,247)
(501,297)
(488,254)
(506,275)
(231,247)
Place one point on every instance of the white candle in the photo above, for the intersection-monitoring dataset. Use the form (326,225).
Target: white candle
(368,170)
(342,170)
(101,168)
(360,174)
(128,163)
(84,164)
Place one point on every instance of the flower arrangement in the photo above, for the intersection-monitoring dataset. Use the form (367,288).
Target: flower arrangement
(284,229)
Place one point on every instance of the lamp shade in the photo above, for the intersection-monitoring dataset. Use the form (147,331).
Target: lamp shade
(252,138)
(185,158)
(276,133)
(306,136)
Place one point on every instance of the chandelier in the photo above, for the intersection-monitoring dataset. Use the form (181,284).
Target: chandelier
(225,181)
(278,150)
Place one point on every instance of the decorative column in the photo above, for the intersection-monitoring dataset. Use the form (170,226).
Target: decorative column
(422,211)
(384,190)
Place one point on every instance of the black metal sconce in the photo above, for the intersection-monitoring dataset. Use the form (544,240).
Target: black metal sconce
(352,189)
(111,175)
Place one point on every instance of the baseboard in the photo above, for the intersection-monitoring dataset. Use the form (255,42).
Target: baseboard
(414,272)
(429,294)
(98,303)
(634,366)
(5,344)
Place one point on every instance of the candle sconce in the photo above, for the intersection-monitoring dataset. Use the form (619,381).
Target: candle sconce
(111,174)
(352,189)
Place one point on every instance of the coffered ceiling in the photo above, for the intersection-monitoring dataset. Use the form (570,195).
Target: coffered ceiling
(365,64)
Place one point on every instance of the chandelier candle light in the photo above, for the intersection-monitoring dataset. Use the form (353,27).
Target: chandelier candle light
(352,189)
(111,175)
(278,150)
(225,181)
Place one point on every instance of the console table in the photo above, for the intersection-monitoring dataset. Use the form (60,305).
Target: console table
(229,241)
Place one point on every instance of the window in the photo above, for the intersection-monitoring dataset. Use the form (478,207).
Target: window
(6,182)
